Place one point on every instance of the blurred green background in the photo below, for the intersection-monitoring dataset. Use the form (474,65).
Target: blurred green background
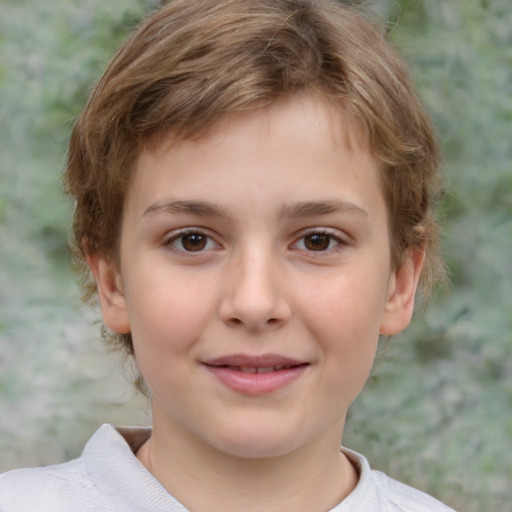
(437,412)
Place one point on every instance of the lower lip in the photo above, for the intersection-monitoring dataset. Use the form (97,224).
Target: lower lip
(257,383)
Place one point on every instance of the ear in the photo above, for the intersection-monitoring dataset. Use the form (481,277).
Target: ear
(403,283)
(110,292)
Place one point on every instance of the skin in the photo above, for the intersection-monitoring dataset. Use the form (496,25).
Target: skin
(257,192)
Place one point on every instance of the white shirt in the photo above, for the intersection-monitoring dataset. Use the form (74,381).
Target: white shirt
(108,477)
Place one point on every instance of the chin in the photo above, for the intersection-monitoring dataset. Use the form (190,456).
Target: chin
(257,442)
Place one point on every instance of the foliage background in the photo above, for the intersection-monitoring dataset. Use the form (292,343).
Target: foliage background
(437,411)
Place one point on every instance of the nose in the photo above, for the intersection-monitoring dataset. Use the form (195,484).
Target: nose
(254,293)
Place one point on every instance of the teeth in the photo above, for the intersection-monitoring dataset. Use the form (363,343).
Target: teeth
(259,369)
(266,369)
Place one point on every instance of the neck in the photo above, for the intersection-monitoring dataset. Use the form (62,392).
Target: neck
(314,477)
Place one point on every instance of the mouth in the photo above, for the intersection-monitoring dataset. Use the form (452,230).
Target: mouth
(257,369)
(256,375)
(247,363)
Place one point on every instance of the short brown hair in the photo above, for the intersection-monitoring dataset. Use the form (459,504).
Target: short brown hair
(192,62)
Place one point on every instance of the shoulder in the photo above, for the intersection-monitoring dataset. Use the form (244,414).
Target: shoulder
(53,488)
(401,497)
(75,485)
(377,492)
(107,476)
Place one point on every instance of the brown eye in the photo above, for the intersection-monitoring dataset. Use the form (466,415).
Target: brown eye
(193,242)
(317,242)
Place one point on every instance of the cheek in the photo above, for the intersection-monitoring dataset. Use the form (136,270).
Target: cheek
(166,330)
(168,319)
(344,316)
(349,304)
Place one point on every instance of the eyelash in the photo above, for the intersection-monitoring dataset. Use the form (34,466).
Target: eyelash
(188,232)
(327,235)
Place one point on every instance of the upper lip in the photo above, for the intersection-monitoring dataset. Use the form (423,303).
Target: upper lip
(254,361)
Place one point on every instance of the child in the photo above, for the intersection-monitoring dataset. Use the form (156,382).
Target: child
(254,183)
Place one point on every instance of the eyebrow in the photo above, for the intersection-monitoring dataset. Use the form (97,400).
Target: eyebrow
(313,208)
(191,207)
(291,210)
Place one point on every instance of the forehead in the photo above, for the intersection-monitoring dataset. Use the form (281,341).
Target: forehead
(302,146)
(324,116)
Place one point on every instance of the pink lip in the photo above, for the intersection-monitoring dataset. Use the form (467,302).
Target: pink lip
(228,370)
(255,361)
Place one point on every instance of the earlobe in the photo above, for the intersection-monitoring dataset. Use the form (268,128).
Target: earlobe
(403,283)
(110,293)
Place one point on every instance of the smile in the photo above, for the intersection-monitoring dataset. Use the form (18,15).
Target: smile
(258,369)
(256,375)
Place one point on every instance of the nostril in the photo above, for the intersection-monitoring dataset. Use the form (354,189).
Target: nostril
(237,322)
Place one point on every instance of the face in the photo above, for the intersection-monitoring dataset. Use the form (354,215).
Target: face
(255,278)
